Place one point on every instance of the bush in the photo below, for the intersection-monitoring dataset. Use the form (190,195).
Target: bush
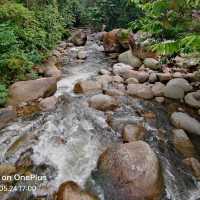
(112,13)
(172,23)
(3,95)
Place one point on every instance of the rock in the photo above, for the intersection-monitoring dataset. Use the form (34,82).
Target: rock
(132,133)
(71,191)
(7,115)
(184,121)
(116,40)
(7,169)
(132,81)
(52,71)
(160,99)
(151,63)
(129,59)
(193,99)
(114,92)
(164,77)
(173,92)
(182,143)
(79,38)
(117,79)
(111,43)
(121,68)
(130,171)
(153,78)
(85,86)
(178,75)
(48,104)
(104,80)
(158,89)
(124,36)
(82,55)
(140,90)
(103,102)
(176,88)
(194,165)
(180,82)
(139,75)
(104,72)
(31,90)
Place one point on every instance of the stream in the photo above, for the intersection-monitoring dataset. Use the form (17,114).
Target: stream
(64,145)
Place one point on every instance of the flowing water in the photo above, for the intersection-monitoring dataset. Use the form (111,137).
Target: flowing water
(65,144)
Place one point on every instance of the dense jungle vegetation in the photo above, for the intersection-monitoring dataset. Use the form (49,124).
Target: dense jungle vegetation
(30,29)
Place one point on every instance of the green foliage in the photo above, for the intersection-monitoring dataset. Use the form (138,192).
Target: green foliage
(3,95)
(170,20)
(112,13)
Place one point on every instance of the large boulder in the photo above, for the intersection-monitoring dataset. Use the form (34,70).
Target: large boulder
(110,42)
(31,90)
(180,82)
(103,102)
(140,90)
(130,171)
(71,191)
(6,115)
(85,86)
(128,58)
(116,40)
(183,143)
(184,121)
(52,71)
(193,99)
(79,38)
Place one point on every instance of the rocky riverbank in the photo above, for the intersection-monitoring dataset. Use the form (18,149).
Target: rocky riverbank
(121,128)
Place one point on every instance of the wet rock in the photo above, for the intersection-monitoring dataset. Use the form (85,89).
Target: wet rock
(132,81)
(132,133)
(184,121)
(153,78)
(31,90)
(140,90)
(103,102)
(193,99)
(114,92)
(129,59)
(7,115)
(71,191)
(48,104)
(164,77)
(82,55)
(130,171)
(79,38)
(85,86)
(194,165)
(151,63)
(182,143)
(160,99)
(158,89)
(121,69)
